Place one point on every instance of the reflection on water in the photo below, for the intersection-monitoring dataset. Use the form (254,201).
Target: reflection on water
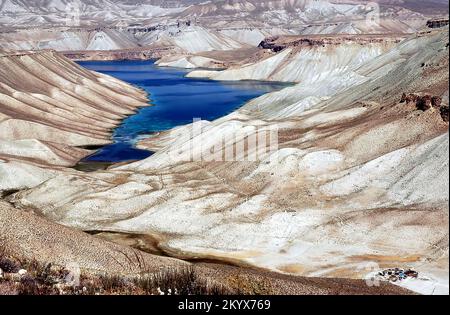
(176,99)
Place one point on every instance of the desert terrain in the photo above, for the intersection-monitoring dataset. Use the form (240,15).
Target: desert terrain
(357,182)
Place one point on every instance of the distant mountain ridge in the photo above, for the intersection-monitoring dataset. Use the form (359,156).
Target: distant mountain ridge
(197,25)
(104,11)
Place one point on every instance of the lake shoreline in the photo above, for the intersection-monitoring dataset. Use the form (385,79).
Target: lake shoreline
(203,98)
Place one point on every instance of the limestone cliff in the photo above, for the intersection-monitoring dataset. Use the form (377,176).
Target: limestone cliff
(49,109)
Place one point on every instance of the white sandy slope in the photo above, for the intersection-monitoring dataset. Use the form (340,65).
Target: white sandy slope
(249,34)
(190,39)
(49,106)
(189,62)
(357,179)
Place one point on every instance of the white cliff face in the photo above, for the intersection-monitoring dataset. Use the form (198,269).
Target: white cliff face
(187,40)
(48,107)
(356,176)
(197,39)
(304,64)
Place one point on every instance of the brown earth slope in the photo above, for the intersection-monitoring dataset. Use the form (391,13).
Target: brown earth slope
(48,242)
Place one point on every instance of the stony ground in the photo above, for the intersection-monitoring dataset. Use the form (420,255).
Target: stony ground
(43,258)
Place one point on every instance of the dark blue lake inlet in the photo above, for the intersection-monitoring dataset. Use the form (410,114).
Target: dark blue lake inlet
(176,101)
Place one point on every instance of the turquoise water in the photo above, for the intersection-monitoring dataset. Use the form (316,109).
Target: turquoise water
(176,101)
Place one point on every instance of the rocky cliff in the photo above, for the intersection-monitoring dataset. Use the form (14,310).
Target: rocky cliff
(303,58)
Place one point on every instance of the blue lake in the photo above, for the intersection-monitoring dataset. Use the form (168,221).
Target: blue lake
(176,101)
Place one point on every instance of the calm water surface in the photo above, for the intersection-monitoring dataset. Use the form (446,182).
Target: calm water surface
(176,101)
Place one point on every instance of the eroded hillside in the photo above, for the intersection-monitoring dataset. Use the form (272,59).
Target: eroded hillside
(50,108)
(360,174)
(182,28)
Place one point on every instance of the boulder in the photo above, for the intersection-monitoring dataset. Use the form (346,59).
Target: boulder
(436,101)
(404,97)
(411,98)
(270,44)
(424,102)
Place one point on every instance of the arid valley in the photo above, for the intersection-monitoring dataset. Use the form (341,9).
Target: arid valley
(241,146)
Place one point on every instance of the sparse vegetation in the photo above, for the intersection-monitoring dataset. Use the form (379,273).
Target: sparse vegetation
(48,279)
(183,281)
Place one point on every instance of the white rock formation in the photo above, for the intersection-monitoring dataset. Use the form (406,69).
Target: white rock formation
(357,177)
(219,25)
(305,63)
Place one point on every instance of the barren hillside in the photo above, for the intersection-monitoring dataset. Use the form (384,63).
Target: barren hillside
(214,25)
(49,109)
(346,187)
(356,181)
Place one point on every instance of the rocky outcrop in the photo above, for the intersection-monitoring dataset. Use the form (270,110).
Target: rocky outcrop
(278,43)
(437,23)
(426,102)
(436,101)
(270,44)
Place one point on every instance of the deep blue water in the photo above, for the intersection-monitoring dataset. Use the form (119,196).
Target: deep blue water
(176,101)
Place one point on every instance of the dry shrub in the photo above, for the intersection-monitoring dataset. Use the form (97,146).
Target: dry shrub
(7,288)
(29,285)
(45,279)
(182,281)
(248,286)
(6,263)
